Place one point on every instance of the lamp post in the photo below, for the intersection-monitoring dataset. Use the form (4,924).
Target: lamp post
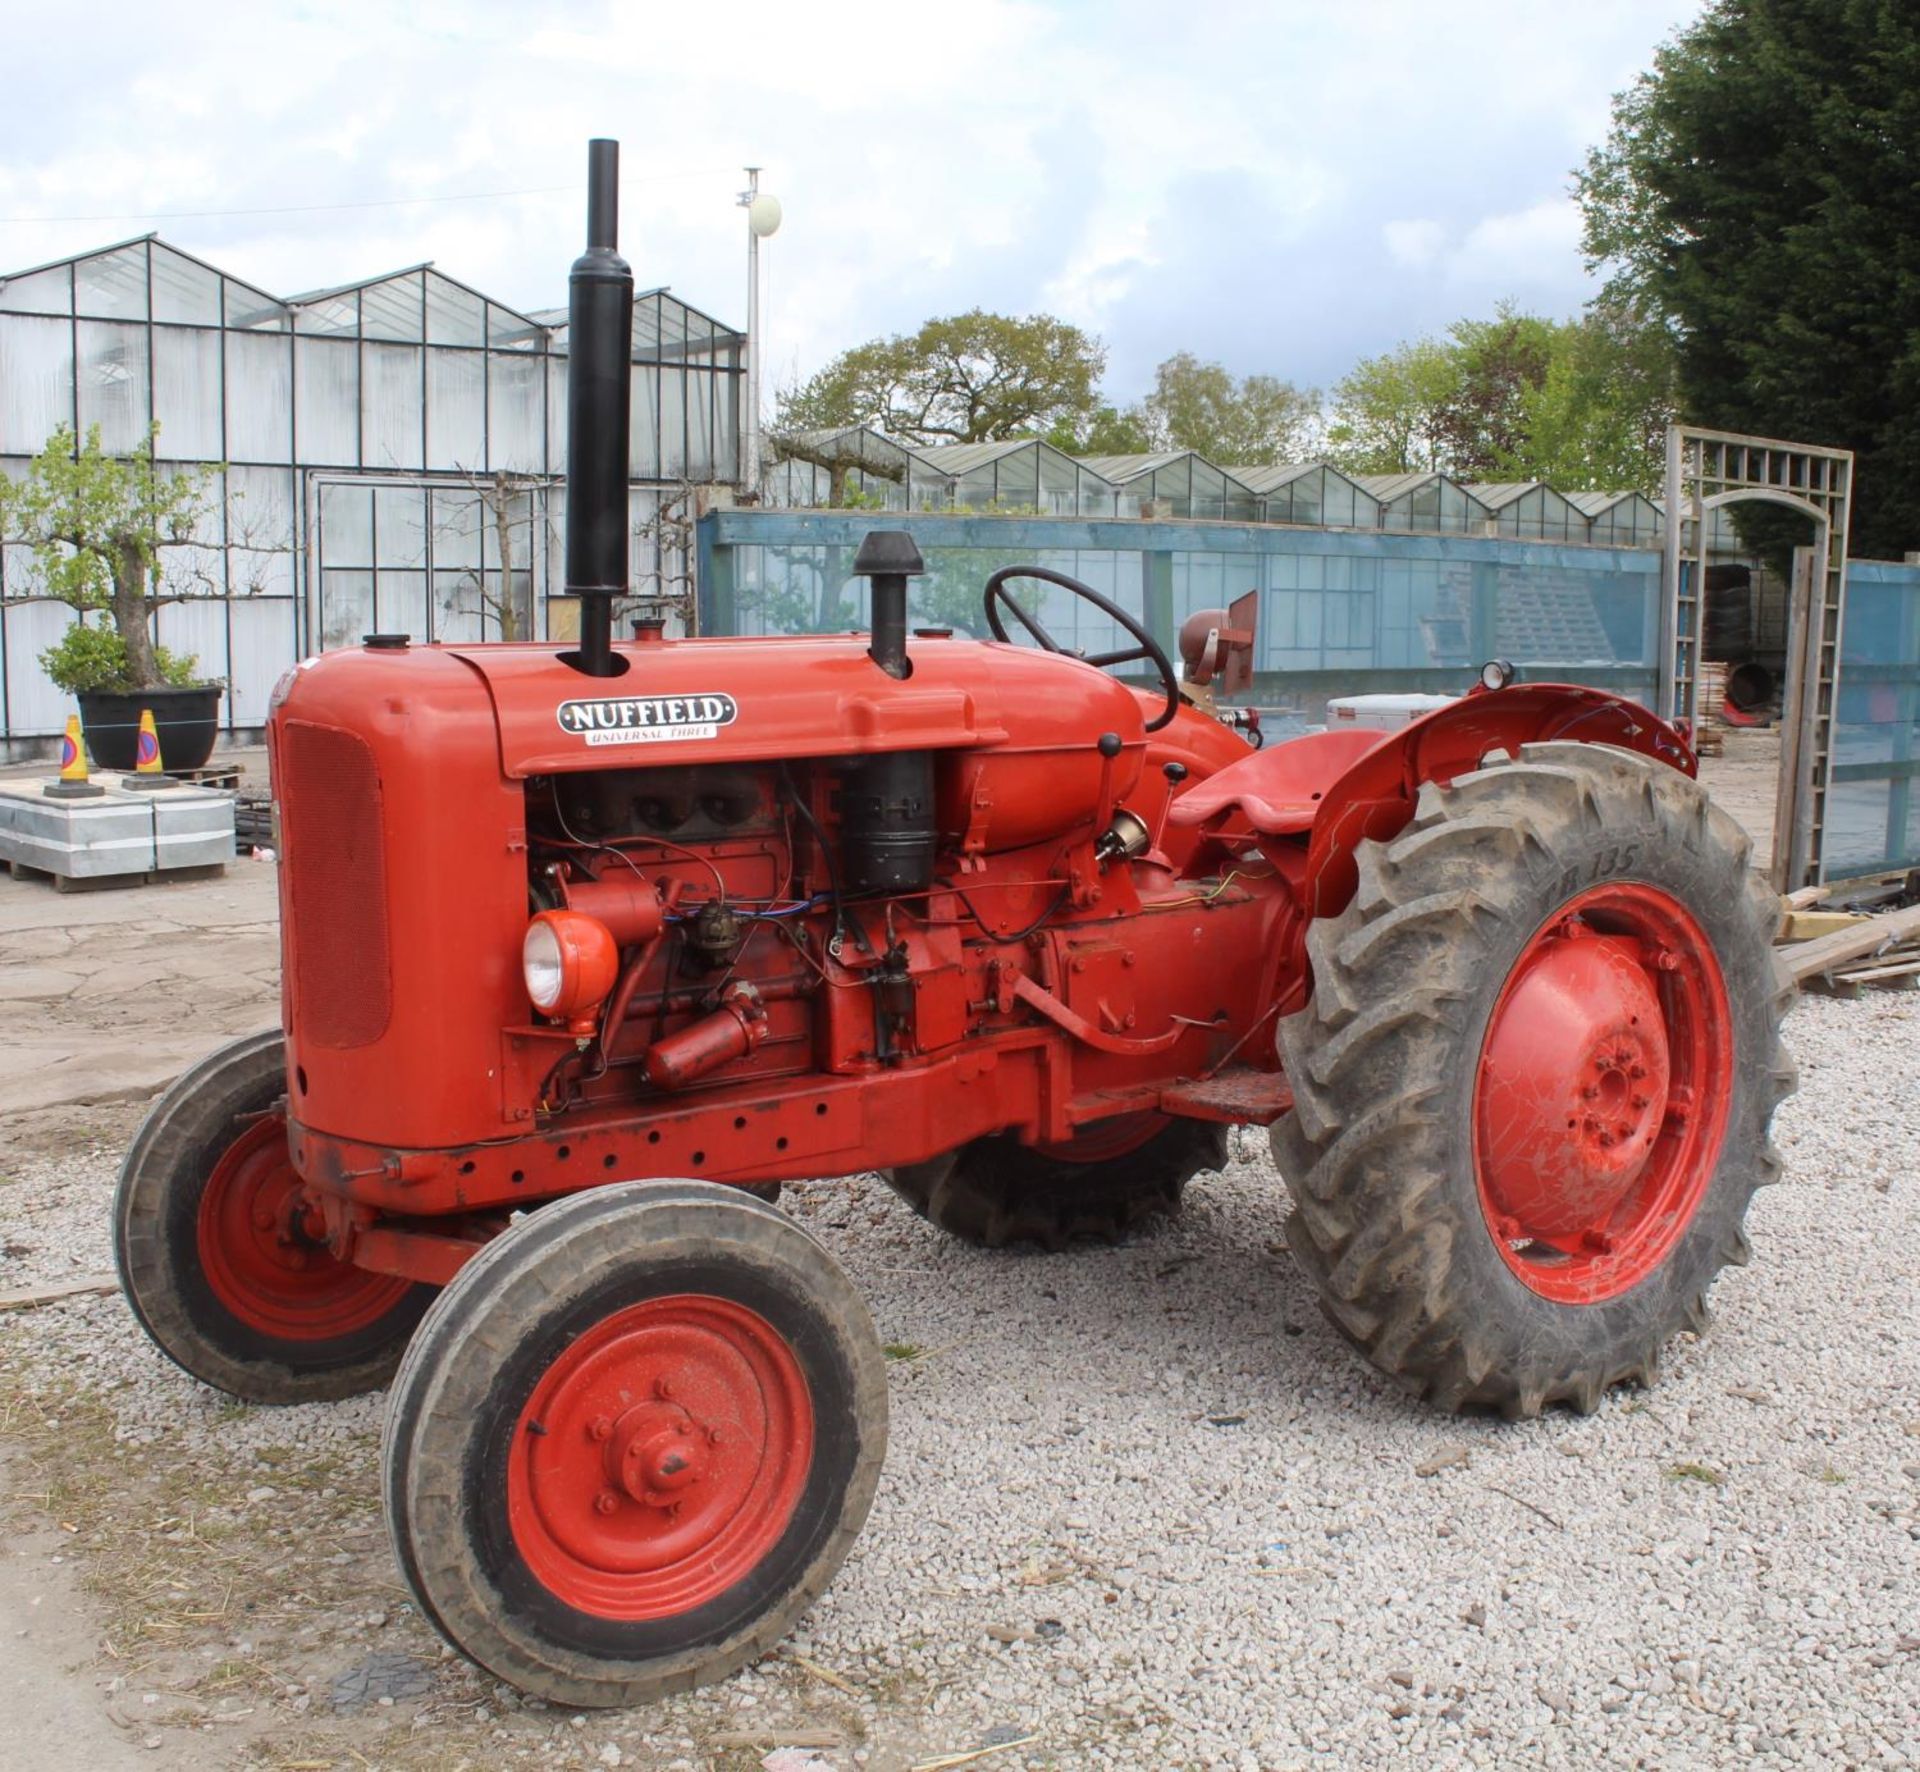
(763,221)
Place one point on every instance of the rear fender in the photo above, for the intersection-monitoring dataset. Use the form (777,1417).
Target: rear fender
(1376,795)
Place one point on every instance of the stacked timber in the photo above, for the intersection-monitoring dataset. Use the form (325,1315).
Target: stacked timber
(1709,708)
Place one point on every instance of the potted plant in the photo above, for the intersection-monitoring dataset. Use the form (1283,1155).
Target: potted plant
(101,527)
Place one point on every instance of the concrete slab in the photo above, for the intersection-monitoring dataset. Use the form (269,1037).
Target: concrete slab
(123,832)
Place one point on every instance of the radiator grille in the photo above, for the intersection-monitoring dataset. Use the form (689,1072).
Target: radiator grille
(337,885)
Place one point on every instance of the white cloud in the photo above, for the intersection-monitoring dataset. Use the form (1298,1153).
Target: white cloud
(1413,242)
(1275,183)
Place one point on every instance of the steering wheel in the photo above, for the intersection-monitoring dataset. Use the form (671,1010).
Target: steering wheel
(1148,648)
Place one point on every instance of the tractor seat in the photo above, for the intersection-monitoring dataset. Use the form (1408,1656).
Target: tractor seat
(1280,789)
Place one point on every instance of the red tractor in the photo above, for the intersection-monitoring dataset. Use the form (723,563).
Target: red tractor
(586,951)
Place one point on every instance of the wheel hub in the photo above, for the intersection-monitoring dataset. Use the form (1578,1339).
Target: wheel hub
(263,1248)
(659,1457)
(1600,1102)
(1573,1083)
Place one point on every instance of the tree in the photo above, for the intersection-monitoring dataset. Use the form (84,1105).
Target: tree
(101,528)
(1500,367)
(1759,192)
(1598,422)
(1109,430)
(1196,405)
(1391,414)
(971,378)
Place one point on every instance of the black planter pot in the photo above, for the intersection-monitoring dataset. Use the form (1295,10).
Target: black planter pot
(187,720)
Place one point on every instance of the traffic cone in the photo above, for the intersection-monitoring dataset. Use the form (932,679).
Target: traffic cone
(73,783)
(147,771)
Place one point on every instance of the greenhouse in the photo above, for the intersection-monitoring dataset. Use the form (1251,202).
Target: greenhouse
(1174,483)
(1531,510)
(824,470)
(1620,519)
(1026,476)
(1314,493)
(1427,504)
(382,454)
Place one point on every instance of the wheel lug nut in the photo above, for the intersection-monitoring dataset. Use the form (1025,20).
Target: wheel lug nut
(600,1428)
(713,1436)
(1637,1072)
(1642,1101)
(662,1389)
(262,1218)
(605,1502)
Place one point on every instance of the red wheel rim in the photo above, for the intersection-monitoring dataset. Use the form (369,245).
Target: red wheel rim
(660,1458)
(264,1252)
(1601,1100)
(1102,1141)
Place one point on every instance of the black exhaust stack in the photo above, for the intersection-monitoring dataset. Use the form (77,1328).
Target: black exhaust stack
(599,404)
(888,558)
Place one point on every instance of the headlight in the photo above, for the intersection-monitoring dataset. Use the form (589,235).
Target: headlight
(570,963)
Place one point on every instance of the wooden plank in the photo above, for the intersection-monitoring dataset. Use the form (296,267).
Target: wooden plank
(1873,935)
(1805,925)
(32,1297)
(1807,897)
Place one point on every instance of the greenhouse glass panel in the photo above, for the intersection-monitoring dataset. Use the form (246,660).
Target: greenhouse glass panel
(40,292)
(112,285)
(457,606)
(33,704)
(394,309)
(1058,484)
(253,310)
(327,401)
(260,509)
(184,291)
(36,382)
(196,628)
(400,604)
(643,440)
(390,411)
(673,424)
(20,573)
(508,331)
(400,525)
(455,316)
(346,608)
(699,427)
(515,412)
(186,392)
(336,316)
(457,520)
(113,384)
(456,409)
(259,385)
(346,525)
(557,414)
(263,644)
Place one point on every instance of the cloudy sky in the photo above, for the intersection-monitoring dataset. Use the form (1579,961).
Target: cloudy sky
(1284,187)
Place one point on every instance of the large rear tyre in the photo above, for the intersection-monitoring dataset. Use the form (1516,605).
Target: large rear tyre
(1107,1181)
(220,1260)
(633,1441)
(1533,1085)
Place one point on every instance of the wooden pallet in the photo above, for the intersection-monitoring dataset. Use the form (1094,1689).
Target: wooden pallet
(21,870)
(215,775)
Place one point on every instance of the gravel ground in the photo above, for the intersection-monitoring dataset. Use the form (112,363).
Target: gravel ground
(1141,1506)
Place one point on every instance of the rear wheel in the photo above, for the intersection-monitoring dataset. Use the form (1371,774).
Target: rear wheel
(223,1264)
(1533,1086)
(1110,1178)
(633,1441)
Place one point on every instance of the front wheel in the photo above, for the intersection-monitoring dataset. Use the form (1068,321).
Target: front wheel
(633,1441)
(1533,1086)
(223,1263)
